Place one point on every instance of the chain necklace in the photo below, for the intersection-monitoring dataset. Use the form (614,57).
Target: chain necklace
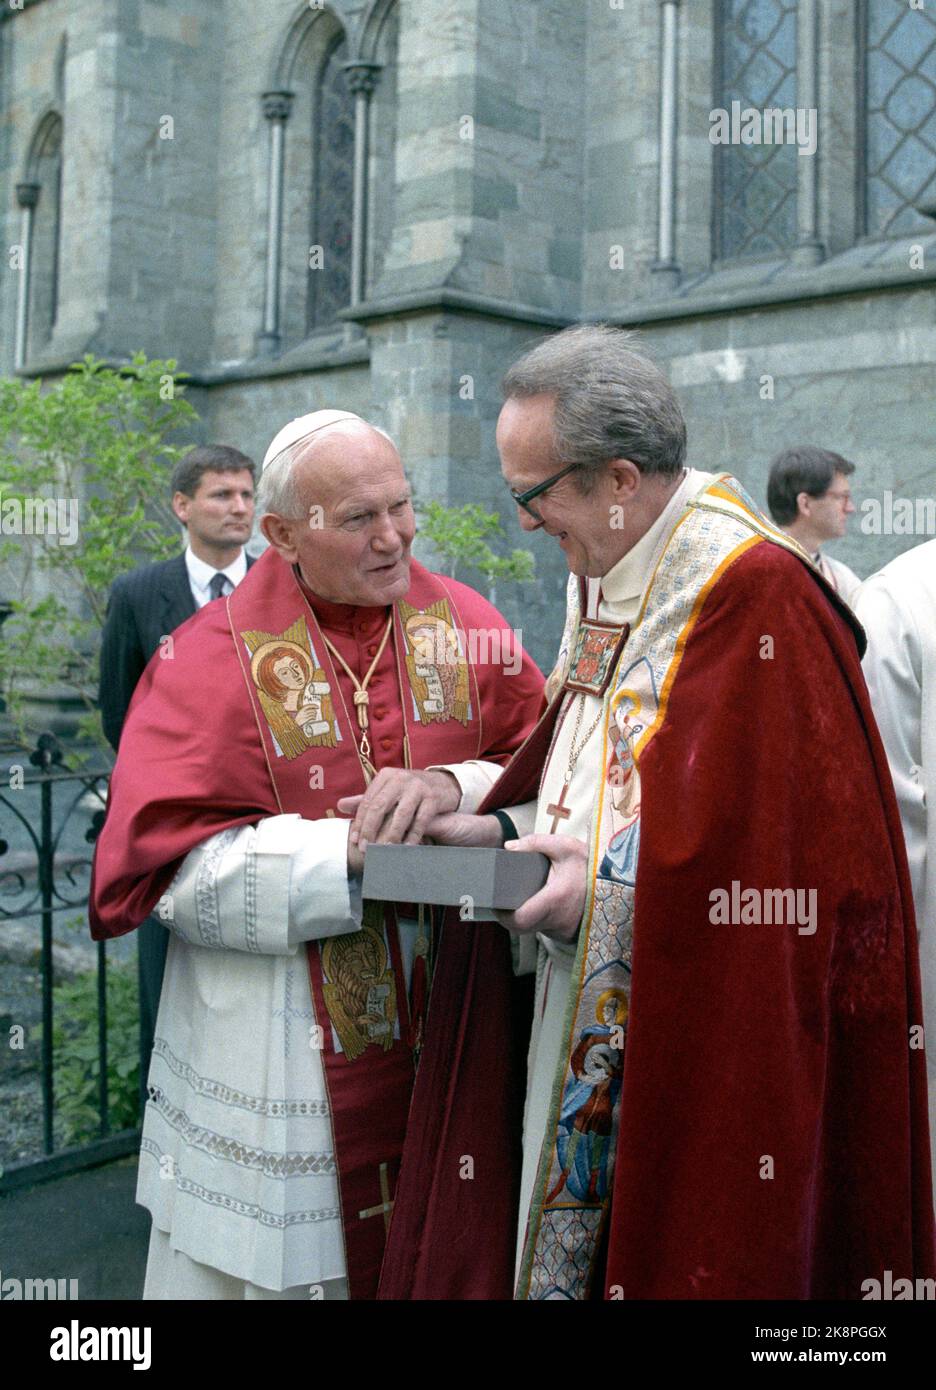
(558,810)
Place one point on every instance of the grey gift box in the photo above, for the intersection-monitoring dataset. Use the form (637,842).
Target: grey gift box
(442,875)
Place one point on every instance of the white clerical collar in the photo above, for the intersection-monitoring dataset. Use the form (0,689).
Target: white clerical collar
(201,573)
(628,578)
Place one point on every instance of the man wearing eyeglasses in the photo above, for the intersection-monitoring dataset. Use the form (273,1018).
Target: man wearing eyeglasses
(721,1100)
(809,497)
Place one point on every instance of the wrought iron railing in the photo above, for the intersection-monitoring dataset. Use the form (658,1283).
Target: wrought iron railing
(45,879)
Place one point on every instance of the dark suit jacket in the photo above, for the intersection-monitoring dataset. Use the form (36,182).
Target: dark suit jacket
(145,605)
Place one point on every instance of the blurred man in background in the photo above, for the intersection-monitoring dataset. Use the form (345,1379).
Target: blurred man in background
(809,497)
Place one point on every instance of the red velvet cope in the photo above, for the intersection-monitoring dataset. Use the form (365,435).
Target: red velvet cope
(746,1043)
(750,1043)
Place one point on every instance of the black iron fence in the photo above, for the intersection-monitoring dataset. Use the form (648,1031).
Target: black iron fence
(50,817)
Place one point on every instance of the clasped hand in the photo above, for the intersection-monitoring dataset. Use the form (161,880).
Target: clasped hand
(396,809)
(406,807)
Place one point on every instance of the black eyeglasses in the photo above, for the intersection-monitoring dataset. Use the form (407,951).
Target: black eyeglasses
(523,499)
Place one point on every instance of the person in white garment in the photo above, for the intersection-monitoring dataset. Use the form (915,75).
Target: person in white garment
(291,1015)
(809,497)
(897,607)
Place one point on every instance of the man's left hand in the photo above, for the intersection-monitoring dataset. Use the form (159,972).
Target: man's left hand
(556,910)
(398,805)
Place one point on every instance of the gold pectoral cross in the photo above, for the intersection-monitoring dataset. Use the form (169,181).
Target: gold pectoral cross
(386,1206)
(559,810)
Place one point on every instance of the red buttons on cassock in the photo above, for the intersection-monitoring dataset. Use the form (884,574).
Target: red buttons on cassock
(380,712)
(386,743)
(372,651)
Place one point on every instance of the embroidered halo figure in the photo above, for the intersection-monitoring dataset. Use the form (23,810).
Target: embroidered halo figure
(293,691)
(437,670)
(591,1093)
(284,672)
(359,991)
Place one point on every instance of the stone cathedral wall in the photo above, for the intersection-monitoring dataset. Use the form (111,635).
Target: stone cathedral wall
(513,188)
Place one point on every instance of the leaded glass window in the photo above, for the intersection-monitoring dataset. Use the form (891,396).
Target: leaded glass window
(900,116)
(755,184)
(333,194)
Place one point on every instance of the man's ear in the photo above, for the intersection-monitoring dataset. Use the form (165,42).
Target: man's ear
(803,501)
(181,503)
(279,532)
(625,478)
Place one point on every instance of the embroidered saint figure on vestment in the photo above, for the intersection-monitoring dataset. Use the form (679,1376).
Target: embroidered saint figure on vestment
(292,689)
(435,664)
(359,989)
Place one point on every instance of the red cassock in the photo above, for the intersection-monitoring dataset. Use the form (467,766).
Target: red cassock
(773,1128)
(245,715)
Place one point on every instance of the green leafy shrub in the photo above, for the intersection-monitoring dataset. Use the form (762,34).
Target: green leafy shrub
(77,1065)
(95,442)
(461,536)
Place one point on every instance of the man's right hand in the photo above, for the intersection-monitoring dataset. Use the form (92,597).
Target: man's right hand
(462,830)
(398,805)
(451,828)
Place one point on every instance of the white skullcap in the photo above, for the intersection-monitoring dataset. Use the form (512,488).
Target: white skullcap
(304,426)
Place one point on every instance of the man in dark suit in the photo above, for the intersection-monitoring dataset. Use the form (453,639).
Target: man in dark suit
(213,498)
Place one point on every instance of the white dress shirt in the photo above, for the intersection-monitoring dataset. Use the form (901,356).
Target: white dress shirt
(844,581)
(200,575)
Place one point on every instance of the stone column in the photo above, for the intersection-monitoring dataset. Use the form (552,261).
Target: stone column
(362,80)
(809,249)
(276,109)
(27,196)
(665,266)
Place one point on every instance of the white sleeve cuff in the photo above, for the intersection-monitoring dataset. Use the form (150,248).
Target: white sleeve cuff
(562,951)
(476,778)
(323,901)
(265,888)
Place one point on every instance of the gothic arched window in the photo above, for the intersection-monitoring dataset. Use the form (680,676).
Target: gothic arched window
(900,118)
(755,184)
(333,189)
(46,174)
